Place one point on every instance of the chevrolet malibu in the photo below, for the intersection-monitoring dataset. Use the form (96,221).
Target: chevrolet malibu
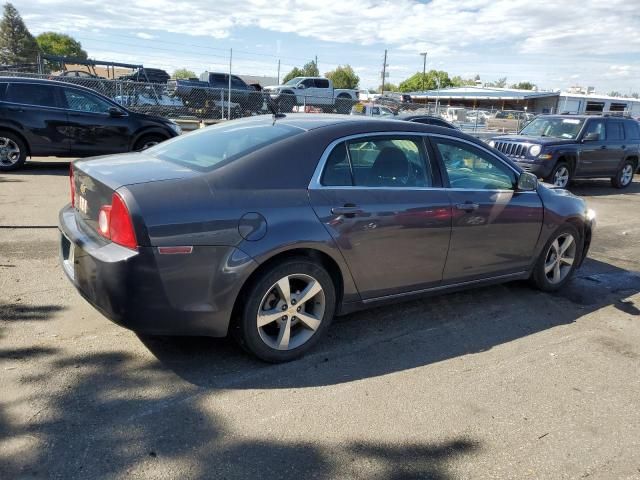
(268,227)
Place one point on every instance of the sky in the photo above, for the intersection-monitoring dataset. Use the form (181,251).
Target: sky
(553,44)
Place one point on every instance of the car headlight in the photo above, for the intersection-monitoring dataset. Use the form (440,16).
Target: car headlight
(591,215)
(491,143)
(175,127)
(535,150)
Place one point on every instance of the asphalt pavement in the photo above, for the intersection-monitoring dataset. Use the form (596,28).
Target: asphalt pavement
(498,382)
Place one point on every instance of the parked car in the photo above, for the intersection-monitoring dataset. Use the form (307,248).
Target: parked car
(49,118)
(372,110)
(426,120)
(312,91)
(560,148)
(265,227)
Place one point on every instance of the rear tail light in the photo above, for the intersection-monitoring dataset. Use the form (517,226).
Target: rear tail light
(114,223)
(72,182)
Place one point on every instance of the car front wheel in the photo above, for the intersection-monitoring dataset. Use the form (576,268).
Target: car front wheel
(558,259)
(286,310)
(560,176)
(13,152)
(624,176)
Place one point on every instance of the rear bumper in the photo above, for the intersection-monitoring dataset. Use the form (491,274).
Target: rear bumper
(147,292)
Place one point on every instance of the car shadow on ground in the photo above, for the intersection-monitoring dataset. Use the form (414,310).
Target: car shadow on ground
(599,188)
(38,167)
(406,335)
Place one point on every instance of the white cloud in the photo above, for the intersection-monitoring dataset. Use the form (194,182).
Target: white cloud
(145,36)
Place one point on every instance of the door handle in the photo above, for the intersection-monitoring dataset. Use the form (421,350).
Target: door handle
(347,210)
(603,147)
(468,206)
(15,109)
(624,147)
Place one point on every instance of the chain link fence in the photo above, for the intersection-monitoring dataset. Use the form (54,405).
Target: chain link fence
(193,100)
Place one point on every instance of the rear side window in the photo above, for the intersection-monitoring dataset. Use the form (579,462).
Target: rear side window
(631,129)
(32,94)
(379,162)
(615,131)
(215,146)
(322,83)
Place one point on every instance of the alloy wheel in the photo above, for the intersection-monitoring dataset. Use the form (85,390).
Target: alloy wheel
(626,175)
(291,312)
(560,257)
(561,177)
(9,152)
(149,144)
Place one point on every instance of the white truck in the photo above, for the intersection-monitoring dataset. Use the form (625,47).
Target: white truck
(312,91)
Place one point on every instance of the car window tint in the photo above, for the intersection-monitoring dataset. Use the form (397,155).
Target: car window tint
(389,162)
(470,167)
(85,102)
(596,126)
(218,145)
(337,171)
(632,130)
(321,83)
(615,131)
(32,94)
(309,83)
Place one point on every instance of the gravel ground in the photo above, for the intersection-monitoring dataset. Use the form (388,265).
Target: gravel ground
(499,382)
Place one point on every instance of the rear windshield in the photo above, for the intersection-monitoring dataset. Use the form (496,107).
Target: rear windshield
(215,146)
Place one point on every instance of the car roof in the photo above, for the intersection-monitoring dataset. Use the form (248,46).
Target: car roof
(45,81)
(584,116)
(411,116)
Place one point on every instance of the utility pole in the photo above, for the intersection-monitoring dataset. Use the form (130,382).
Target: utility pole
(384,72)
(424,68)
(316,63)
(278,82)
(229,99)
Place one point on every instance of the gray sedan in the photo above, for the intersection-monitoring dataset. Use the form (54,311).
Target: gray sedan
(267,227)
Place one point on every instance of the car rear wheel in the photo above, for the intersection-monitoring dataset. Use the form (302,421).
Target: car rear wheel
(624,177)
(560,176)
(148,141)
(558,260)
(286,310)
(13,152)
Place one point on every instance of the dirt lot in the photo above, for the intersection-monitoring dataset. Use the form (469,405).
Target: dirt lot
(501,382)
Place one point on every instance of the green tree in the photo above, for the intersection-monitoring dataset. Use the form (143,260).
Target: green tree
(296,72)
(388,87)
(183,73)
(17,45)
(60,44)
(500,83)
(635,95)
(311,69)
(458,81)
(615,94)
(343,77)
(430,81)
(524,86)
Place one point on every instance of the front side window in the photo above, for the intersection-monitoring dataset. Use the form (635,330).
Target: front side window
(85,102)
(471,168)
(309,83)
(32,94)
(554,127)
(379,162)
(218,145)
(596,127)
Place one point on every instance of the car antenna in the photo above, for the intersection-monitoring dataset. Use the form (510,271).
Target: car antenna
(274,112)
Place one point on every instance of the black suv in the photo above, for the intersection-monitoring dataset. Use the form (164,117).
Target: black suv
(559,148)
(49,118)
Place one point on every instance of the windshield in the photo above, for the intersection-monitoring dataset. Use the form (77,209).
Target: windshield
(294,81)
(568,128)
(215,146)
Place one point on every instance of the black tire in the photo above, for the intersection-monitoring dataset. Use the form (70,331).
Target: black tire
(559,169)
(286,102)
(245,328)
(147,141)
(538,276)
(344,104)
(622,178)
(8,159)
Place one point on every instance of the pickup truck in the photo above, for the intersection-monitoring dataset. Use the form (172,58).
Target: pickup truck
(212,88)
(313,91)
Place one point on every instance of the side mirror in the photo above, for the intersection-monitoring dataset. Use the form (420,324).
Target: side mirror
(591,137)
(301,86)
(115,112)
(527,182)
